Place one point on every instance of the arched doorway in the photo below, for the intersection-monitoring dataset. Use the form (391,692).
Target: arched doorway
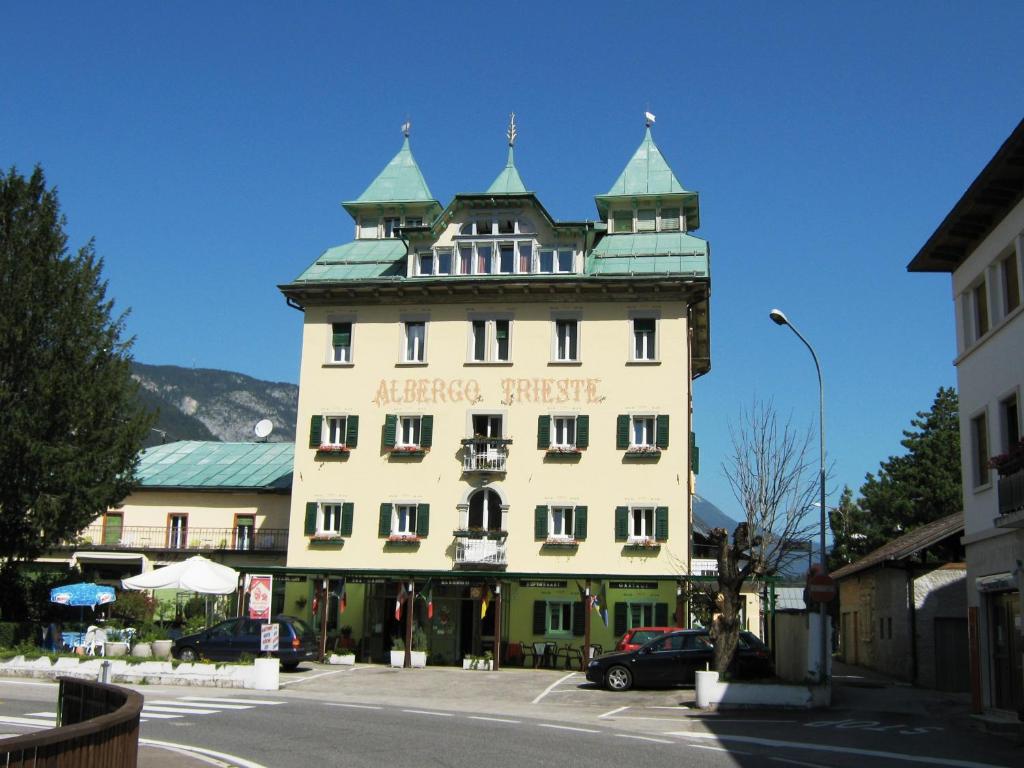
(485,510)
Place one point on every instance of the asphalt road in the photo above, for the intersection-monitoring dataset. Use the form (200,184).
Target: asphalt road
(374,716)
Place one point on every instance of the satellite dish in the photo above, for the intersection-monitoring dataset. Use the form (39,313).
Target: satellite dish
(263,428)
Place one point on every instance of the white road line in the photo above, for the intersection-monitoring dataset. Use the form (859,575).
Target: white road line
(51,715)
(552,687)
(351,706)
(612,712)
(428,712)
(494,719)
(149,709)
(653,707)
(843,750)
(218,705)
(25,682)
(797,762)
(643,738)
(314,677)
(232,760)
(718,749)
(23,721)
(160,716)
(233,700)
(716,721)
(566,728)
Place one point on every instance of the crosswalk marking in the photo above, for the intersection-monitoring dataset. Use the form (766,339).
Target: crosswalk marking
(177,703)
(157,716)
(149,709)
(51,715)
(24,721)
(232,700)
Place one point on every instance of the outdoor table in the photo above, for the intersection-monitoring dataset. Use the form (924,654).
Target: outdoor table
(72,640)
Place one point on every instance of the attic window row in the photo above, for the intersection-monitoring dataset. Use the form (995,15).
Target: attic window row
(488,258)
(646,220)
(376,228)
(499,226)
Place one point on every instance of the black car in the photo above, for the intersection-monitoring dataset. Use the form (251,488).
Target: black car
(230,639)
(672,659)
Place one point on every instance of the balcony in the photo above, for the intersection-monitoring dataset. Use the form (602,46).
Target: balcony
(189,539)
(703,566)
(481,553)
(1011,500)
(485,455)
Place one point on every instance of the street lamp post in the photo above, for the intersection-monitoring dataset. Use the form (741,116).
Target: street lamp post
(779,318)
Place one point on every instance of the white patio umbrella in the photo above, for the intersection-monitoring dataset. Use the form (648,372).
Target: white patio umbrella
(197,574)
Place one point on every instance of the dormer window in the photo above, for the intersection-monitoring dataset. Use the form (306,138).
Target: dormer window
(506,226)
(484,227)
(669,219)
(413,221)
(622,221)
(646,220)
(391,223)
(368,228)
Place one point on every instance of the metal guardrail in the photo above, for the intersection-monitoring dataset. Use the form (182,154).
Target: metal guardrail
(484,455)
(157,537)
(97,725)
(480,552)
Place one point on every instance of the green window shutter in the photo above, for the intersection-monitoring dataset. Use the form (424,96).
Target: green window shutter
(543,432)
(622,432)
(384,524)
(352,431)
(310,528)
(579,524)
(316,428)
(621,524)
(347,510)
(422,520)
(620,619)
(661,431)
(582,432)
(540,609)
(540,522)
(426,431)
(341,334)
(577,619)
(661,614)
(390,430)
(661,525)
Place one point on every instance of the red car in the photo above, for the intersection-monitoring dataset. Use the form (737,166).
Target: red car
(638,636)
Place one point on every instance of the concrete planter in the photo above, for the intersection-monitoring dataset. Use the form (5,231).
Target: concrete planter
(419,658)
(162,648)
(143,650)
(344,659)
(116,648)
(267,675)
(715,694)
(484,664)
(120,671)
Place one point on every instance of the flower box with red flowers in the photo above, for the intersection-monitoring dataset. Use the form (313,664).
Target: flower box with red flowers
(1010,462)
(564,542)
(643,451)
(408,450)
(332,448)
(399,538)
(562,450)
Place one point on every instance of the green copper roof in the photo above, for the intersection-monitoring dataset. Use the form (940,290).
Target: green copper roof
(650,253)
(196,464)
(508,182)
(646,173)
(399,182)
(358,260)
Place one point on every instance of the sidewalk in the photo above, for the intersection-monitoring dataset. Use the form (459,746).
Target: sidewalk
(163,757)
(865,690)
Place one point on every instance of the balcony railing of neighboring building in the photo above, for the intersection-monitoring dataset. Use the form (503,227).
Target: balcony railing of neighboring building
(485,454)
(700,566)
(480,552)
(242,539)
(1011,499)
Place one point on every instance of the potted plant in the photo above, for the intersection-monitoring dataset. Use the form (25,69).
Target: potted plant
(419,657)
(143,647)
(1009,462)
(115,645)
(485,662)
(161,643)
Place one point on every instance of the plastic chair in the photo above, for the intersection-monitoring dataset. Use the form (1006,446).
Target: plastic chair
(571,655)
(95,640)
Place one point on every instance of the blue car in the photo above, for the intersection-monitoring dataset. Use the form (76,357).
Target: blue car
(230,639)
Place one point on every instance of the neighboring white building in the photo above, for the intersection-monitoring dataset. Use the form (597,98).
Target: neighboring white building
(981,243)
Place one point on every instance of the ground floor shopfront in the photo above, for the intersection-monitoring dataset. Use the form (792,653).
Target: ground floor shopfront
(532,619)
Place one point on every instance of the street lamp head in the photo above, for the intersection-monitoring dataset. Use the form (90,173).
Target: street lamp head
(778,317)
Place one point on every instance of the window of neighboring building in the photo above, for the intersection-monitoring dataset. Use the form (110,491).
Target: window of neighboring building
(391,223)
(980,301)
(414,347)
(245,528)
(506,258)
(408,433)
(566,340)
(564,263)
(328,521)
(425,267)
(622,221)
(368,228)
(113,525)
(177,531)
(341,342)
(641,524)
(546,262)
(525,258)
(559,618)
(465,259)
(560,522)
(1011,283)
(669,219)
(483,259)
(443,260)
(979,448)
(489,341)
(644,347)
(646,220)
(1010,417)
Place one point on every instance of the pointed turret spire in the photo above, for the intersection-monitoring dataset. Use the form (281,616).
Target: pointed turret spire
(509,182)
(401,180)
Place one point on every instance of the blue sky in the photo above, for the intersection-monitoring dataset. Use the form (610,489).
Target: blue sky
(207,146)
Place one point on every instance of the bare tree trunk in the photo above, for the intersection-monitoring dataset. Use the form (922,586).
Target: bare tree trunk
(725,628)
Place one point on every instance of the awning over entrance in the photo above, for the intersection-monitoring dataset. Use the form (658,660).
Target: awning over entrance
(996,582)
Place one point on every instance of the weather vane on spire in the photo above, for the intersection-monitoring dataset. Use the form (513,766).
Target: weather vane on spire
(406,127)
(511,133)
(648,118)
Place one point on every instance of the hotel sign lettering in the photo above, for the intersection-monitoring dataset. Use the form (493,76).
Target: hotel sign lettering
(534,390)
(633,585)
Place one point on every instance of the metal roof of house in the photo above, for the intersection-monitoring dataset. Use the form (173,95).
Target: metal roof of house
(790,599)
(400,182)
(509,182)
(646,173)
(211,465)
(906,545)
(358,260)
(649,253)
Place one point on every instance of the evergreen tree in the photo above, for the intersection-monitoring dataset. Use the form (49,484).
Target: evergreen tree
(907,491)
(70,422)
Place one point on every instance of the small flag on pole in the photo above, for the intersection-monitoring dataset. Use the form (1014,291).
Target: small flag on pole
(398,603)
(649,118)
(601,604)
(484,601)
(430,604)
(406,127)
(343,598)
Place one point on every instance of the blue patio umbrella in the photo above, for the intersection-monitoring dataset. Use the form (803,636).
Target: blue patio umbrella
(82,594)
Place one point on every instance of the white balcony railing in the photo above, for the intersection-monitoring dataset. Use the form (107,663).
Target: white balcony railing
(484,455)
(700,566)
(480,552)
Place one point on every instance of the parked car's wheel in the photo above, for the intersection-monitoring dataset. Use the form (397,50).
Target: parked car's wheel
(619,679)
(188,655)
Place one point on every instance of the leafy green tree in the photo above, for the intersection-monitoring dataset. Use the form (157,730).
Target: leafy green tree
(70,421)
(907,491)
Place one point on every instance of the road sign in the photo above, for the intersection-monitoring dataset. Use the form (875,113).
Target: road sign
(821,588)
(270,637)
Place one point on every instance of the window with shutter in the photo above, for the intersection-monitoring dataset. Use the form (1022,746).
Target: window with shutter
(422,520)
(578,620)
(543,432)
(661,431)
(311,513)
(426,431)
(316,425)
(580,524)
(341,343)
(622,432)
(384,521)
(347,513)
(540,522)
(621,617)
(621,523)
(540,618)
(390,430)
(661,524)
(582,432)
(661,615)
(352,431)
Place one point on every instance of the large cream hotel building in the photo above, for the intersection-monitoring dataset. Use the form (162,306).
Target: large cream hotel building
(495,409)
